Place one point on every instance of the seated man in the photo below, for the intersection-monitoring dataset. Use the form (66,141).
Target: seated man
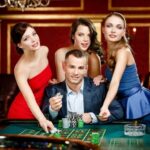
(78,93)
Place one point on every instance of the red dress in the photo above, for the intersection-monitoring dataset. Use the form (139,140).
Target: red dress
(19,108)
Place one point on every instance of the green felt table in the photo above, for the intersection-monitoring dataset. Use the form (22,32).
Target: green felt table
(111,135)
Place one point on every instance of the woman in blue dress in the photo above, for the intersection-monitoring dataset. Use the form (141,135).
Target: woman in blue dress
(121,72)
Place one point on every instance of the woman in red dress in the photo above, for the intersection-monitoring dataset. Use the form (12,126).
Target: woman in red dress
(32,73)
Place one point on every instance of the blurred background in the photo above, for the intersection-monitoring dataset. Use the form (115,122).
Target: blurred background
(53,25)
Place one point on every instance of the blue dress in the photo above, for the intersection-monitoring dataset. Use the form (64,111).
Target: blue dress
(134,98)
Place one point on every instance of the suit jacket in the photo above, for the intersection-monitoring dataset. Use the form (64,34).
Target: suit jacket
(93,97)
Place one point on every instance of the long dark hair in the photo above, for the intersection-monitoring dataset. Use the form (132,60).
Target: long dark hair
(17,32)
(95,44)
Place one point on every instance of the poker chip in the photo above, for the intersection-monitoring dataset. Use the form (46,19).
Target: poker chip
(65,123)
(60,124)
(57,134)
(73,123)
(54,130)
(74,118)
(95,138)
(80,123)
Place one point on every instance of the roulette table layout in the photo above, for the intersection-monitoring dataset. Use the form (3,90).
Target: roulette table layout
(28,134)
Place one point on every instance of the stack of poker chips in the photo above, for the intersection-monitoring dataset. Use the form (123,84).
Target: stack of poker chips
(65,122)
(60,123)
(74,119)
(95,138)
(80,123)
(57,135)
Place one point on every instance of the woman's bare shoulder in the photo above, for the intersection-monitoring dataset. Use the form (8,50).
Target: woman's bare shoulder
(61,52)
(124,51)
(94,57)
(44,48)
(20,68)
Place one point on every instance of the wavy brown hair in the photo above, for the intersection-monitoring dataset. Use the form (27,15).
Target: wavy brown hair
(95,44)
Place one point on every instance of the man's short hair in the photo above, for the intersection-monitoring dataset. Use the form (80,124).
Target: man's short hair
(77,53)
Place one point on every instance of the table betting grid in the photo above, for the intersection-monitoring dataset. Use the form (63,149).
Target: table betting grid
(111,137)
(70,133)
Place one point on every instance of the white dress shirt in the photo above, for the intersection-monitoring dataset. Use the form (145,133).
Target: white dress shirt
(75,103)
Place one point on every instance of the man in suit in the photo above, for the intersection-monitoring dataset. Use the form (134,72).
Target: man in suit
(78,93)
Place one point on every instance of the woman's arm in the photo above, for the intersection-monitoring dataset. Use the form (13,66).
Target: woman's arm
(94,65)
(59,59)
(21,76)
(122,57)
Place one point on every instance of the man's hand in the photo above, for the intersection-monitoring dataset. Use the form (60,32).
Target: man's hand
(56,102)
(86,117)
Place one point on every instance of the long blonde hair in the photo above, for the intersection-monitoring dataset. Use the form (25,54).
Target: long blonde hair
(114,47)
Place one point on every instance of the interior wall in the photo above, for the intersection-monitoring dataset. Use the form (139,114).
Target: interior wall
(53,25)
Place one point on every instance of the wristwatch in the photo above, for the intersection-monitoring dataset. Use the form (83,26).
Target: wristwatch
(91,119)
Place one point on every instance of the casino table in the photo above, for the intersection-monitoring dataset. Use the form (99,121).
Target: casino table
(111,137)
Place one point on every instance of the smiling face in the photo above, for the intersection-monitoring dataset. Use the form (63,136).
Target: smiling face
(75,69)
(30,40)
(81,38)
(114,28)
